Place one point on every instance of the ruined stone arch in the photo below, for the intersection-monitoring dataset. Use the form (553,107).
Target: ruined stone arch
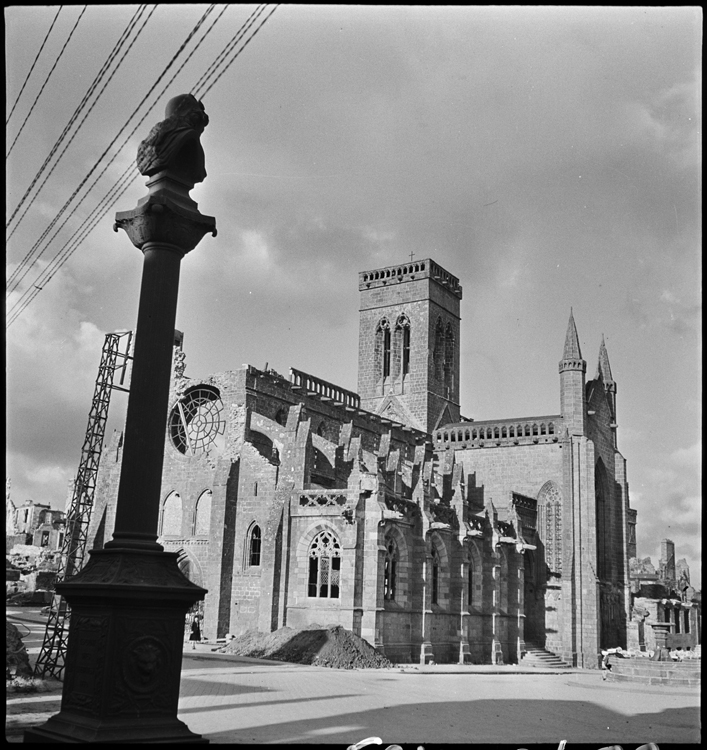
(171,515)
(202,513)
(190,566)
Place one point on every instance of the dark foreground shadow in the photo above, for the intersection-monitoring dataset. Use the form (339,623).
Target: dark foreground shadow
(519,722)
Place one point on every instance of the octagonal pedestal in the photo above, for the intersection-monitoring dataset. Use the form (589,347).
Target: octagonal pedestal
(124,658)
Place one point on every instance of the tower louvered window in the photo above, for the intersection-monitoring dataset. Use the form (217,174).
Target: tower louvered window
(324,566)
(438,353)
(402,346)
(449,360)
(382,349)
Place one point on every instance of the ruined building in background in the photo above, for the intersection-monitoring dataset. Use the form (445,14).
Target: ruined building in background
(664,595)
(295,501)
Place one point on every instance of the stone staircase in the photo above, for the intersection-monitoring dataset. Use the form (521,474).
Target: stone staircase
(535,656)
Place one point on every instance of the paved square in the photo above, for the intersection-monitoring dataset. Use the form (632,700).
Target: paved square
(258,702)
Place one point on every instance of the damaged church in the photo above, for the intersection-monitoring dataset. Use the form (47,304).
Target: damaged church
(433,536)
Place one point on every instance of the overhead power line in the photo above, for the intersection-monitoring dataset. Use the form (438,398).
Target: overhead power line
(119,44)
(54,221)
(221,55)
(122,184)
(33,64)
(247,41)
(46,80)
(91,221)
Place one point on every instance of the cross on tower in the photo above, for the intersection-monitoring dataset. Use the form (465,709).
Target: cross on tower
(412,255)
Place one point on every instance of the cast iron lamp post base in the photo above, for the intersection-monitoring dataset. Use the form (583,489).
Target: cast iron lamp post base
(123,667)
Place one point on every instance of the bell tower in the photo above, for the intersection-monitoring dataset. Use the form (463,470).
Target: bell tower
(408,354)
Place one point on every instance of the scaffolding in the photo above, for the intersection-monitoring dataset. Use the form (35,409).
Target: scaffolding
(116,356)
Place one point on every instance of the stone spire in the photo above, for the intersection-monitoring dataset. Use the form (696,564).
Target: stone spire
(604,374)
(572,350)
(572,372)
(603,366)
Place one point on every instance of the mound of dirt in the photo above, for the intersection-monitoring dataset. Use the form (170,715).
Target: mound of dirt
(333,647)
(16,659)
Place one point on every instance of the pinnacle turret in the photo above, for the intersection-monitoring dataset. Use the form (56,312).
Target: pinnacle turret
(603,367)
(572,354)
(572,371)
(572,350)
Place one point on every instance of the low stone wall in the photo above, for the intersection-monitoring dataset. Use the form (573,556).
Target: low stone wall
(683,674)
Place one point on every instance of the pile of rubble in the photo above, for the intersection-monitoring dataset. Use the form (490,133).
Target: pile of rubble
(333,646)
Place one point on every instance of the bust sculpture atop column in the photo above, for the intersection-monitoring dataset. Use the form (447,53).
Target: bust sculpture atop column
(173,158)
(175,143)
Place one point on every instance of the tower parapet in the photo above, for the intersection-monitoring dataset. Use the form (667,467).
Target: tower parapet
(424,269)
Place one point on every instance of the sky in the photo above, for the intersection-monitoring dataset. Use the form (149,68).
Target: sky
(550,158)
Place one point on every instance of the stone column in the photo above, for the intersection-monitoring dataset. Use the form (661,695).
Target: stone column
(496,648)
(520,643)
(128,604)
(426,650)
(464,650)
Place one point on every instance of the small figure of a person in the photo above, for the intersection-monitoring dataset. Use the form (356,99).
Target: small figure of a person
(195,632)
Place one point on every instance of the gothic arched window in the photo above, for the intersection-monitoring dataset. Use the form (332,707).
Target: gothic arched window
(202,516)
(449,359)
(435,577)
(438,353)
(324,566)
(390,571)
(550,525)
(601,520)
(382,349)
(254,545)
(171,523)
(402,345)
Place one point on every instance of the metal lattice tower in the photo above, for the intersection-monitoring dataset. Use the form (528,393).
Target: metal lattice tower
(53,652)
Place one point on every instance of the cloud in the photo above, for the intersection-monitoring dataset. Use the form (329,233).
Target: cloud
(670,503)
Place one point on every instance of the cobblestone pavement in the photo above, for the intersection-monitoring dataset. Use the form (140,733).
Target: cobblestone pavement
(232,699)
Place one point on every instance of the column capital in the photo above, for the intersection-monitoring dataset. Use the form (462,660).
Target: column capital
(160,219)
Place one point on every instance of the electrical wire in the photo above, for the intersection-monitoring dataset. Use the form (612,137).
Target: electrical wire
(118,189)
(77,112)
(36,99)
(110,145)
(239,51)
(33,64)
(96,215)
(217,62)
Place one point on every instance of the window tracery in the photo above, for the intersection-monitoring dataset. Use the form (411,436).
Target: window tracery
(324,566)
(550,525)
